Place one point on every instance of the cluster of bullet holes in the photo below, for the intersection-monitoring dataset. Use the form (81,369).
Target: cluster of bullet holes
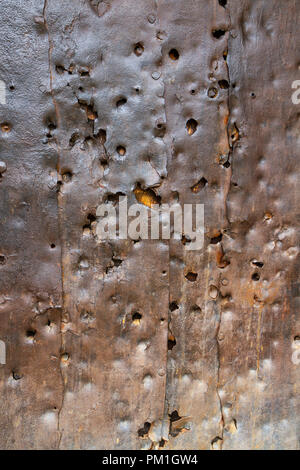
(83,71)
(213,91)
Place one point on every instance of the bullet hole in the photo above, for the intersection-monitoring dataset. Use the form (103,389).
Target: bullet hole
(218,33)
(259,264)
(223,84)
(171,342)
(223,3)
(114,197)
(190,276)
(117,261)
(160,129)
(200,185)
(16,375)
(121,102)
(255,277)
(226,164)
(174,54)
(30,334)
(138,49)
(64,357)
(253,95)
(216,239)
(146,196)
(87,317)
(137,90)
(136,318)
(212,92)
(83,264)
(101,136)
(80,88)
(191,126)
(185,239)
(142,432)
(2,260)
(84,72)
(12,88)
(60,69)
(91,218)
(196,309)
(222,158)
(213,292)
(216,443)
(173,306)
(52,246)
(121,150)
(174,416)
(91,114)
(162,443)
(155,75)
(151,18)
(296,338)
(5,127)
(74,139)
(193,92)
(67,176)
(234,134)
(3,168)
(268,216)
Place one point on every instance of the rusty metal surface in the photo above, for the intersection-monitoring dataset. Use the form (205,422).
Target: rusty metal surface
(99,96)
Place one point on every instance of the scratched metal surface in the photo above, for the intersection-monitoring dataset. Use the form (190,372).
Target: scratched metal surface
(208,364)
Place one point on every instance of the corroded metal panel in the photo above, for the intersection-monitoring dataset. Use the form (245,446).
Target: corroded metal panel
(130,344)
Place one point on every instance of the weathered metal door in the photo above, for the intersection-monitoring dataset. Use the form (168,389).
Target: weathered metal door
(129,344)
